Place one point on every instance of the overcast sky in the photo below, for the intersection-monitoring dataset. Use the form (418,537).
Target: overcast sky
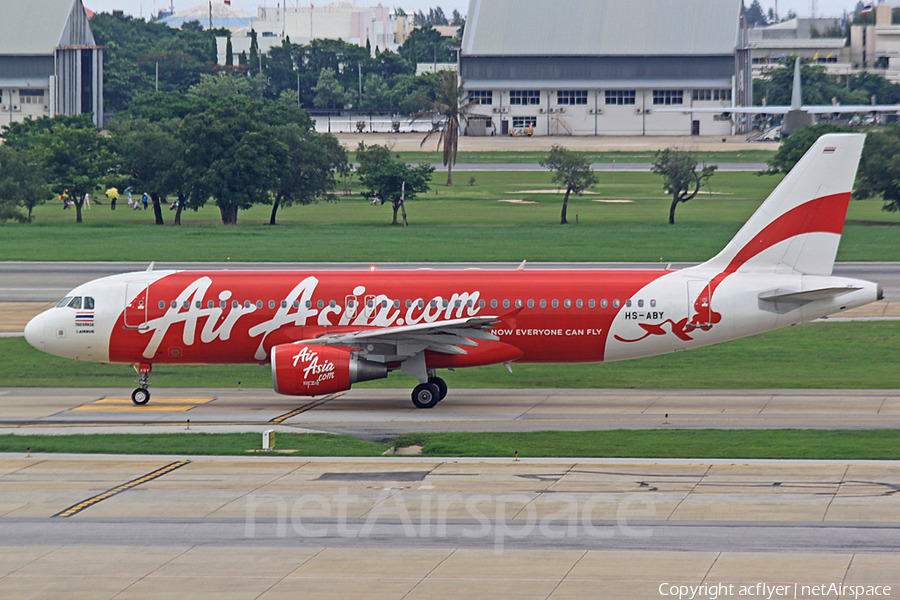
(145,8)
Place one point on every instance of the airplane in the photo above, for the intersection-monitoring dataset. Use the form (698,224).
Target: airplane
(796,115)
(323,331)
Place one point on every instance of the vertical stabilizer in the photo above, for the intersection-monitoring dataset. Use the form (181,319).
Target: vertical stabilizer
(796,90)
(798,228)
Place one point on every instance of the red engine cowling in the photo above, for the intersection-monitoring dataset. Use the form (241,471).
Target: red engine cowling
(302,370)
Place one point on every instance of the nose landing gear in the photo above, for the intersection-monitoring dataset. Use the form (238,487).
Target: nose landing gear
(141,395)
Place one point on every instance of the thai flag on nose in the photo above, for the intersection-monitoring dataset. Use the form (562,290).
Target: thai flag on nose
(84,316)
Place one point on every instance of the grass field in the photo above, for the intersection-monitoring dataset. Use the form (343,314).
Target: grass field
(814,355)
(642,156)
(699,444)
(463,223)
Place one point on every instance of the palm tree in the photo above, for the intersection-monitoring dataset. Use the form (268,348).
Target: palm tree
(450,104)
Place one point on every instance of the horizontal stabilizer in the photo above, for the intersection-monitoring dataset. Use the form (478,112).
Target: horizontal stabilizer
(806,296)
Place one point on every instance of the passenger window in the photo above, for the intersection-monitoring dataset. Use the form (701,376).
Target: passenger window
(296,304)
(88,303)
(640,304)
(481,304)
(396,303)
(332,303)
(162,304)
(433,303)
(321,304)
(75,303)
(543,304)
(531,304)
(246,304)
(186,304)
(493,304)
(234,304)
(284,304)
(64,302)
(604,303)
(222,304)
(653,304)
(446,303)
(554,303)
(370,304)
(174,304)
(506,304)
(409,304)
(567,303)
(210,304)
(615,304)
(198,304)
(308,304)
(259,304)
(518,304)
(421,303)
(457,304)
(271,304)
(579,303)
(592,303)
(628,304)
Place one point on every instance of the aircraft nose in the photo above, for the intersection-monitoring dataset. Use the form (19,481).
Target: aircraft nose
(34,332)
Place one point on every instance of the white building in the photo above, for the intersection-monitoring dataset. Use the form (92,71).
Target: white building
(49,61)
(601,67)
(358,25)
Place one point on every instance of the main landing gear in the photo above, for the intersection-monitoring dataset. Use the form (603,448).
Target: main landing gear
(141,395)
(427,395)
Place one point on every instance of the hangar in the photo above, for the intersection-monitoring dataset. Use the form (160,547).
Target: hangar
(600,67)
(49,61)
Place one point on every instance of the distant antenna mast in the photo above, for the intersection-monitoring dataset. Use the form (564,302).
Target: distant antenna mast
(813,8)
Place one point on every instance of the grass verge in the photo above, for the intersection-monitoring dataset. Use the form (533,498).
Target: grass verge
(701,444)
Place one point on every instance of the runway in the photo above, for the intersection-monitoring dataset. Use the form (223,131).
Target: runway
(377,414)
(162,527)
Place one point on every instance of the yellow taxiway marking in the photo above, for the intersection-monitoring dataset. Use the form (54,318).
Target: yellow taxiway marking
(126,405)
(281,419)
(74,510)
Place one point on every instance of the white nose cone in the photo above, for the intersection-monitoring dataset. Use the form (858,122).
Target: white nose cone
(34,333)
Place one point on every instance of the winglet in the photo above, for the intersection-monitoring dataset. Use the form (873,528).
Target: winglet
(796,94)
(150,267)
(522,266)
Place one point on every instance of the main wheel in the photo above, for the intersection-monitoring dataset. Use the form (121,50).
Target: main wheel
(426,395)
(441,386)
(140,396)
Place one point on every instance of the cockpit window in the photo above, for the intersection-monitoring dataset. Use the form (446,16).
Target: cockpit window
(88,303)
(75,303)
(64,302)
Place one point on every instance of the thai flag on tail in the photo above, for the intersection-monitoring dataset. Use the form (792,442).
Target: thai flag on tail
(829,150)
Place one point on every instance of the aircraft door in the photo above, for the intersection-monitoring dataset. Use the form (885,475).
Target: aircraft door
(136,309)
(699,308)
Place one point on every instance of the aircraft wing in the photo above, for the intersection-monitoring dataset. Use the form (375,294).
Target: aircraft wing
(746,110)
(849,108)
(446,337)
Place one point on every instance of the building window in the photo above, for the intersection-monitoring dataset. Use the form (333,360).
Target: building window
(571,97)
(710,95)
(525,97)
(620,97)
(481,97)
(31,96)
(668,97)
(524,121)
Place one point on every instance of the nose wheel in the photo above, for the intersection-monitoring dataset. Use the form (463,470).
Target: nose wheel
(141,395)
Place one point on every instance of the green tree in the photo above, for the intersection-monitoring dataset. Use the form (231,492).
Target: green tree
(818,87)
(329,93)
(22,184)
(879,168)
(149,155)
(388,179)
(793,148)
(451,106)
(229,52)
(231,156)
(680,177)
(255,62)
(308,174)
(755,15)
(571,171)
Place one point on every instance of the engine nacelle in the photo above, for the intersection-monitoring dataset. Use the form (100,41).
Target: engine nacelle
(304,370)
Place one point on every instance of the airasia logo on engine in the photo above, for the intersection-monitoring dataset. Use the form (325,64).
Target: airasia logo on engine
(315,372)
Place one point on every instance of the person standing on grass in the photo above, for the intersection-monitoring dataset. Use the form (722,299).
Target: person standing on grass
(144,200)
(87,201)
(112,194)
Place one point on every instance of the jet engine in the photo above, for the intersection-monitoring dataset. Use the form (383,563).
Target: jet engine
(305,370)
